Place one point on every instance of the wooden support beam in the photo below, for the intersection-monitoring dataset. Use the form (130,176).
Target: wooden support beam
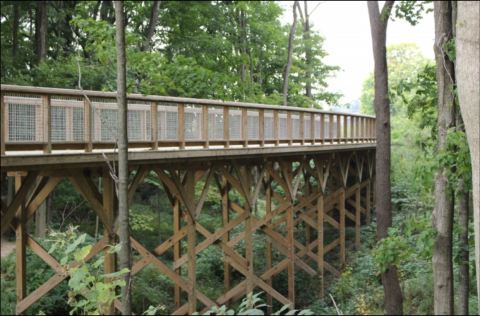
(176,249)
(320,232)
(20,243)
(341,206)
(357,218)
(268,247)
(109,209)
(368,203)
(3,123)
(224,188)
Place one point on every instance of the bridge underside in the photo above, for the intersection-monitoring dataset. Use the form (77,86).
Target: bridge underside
(299,200)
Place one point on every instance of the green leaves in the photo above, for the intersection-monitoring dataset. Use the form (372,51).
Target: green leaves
(390,251)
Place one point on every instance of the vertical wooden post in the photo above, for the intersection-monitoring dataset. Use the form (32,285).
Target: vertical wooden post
(176,249)
(320,218)
(330,128)
(345,128)
(368,203)
(205,125)
(47,121)
(192,240)
(226,127)
(352,128)
(322,128)
(357,218)
(245,127)
(181,125)
(226,237)
(312,128)
(20,243)
(275,128)
(268,254)
(341,206)
(339,128)
(291,254)
(154,124)
(289,127)
(249,248)
(109,207)
(87,125)
(302,128)
(261,126)
(3,123)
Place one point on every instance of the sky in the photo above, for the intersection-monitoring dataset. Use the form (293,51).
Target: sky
(346,28)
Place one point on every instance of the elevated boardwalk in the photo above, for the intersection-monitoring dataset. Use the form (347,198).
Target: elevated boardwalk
(311,170)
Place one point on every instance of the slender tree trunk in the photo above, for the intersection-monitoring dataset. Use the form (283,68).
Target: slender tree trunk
(443,211)
(308,53)
(464,274)
(123,231)
(468,78)
(151,25)
(290,53)
(16,17)
(41,30)
(378,23)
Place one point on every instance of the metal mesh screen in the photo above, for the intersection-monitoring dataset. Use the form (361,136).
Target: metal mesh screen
(234,120)
(252,122)
(282,122)
(78,124)
(268,125)
(138,120)
(215,123)
(295,125)
(318,126)
(167,122)
(24,116)
(307,126)
(58,123)
(193,122)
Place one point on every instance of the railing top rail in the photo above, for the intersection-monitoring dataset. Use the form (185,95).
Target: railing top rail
(139,97)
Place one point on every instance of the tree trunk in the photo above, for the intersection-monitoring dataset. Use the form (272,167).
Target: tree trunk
(464,274)
(151,25)
(468,77)
(289,56)
(41,25)
(123,221)
(16,17)
(308,53)
(378,23)
(443,211)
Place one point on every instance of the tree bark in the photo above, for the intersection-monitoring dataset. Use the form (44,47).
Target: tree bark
(443,211)
(468,78)
(151,25)
(378,24)
(16,17)
(464,274)
(41,27)
(123,221)
(308,53)
(289,56)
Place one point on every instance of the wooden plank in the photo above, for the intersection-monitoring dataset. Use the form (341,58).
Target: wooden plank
(47,121)
(345,128)
(341,203)
(302,128)
(330,126)
(21,194)
(312,127)
(320,232)
(140,175)
(20,243)
(268,247)
(357,219)
(276,134)
(176,248)
(191,243)
(88,124)
(339,128)
(261,127)
(154,124)
(181,125)
(289,127)
(205,125)
(224,188)
(245,127)
(368,204)
(41,196)
(3,123)
(38,293)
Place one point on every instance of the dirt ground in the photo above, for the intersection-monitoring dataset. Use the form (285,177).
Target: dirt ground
(6,247)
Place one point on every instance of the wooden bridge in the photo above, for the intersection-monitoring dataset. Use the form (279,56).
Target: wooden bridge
(313,170)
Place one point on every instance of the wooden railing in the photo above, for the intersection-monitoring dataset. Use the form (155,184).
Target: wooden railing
(36,118)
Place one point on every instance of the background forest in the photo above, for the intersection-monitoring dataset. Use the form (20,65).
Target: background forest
(232,50)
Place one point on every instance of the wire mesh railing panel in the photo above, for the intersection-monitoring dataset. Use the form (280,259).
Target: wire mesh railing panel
(24,116)
(282,125)
(193,122)
(318,126)
(307,127)
(215,123)
(167,119)
(268,126)
(105,120)
(295,125)
(253,124)
(67,119)
(138,121)
(235,124)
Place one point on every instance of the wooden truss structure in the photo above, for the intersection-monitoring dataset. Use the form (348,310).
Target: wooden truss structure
(317,192)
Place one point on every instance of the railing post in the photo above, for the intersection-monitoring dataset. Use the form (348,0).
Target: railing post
(181,125)
(154,124)
(289,128)
(345,128)
(275,128)
(322,128)
(3,123)
(87,124)
(330,128)
(339,128)
(47,121)
(205,125)
(245,127)
(352,128)
(302,128)
(312,127)
(226,127)
(261,127)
